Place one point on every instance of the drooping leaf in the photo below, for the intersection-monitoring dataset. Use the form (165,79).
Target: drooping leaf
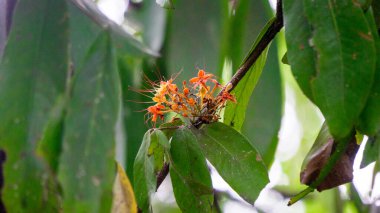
(369,122)
(300,55)
(320,154)
(88,152)
(169,128)
(123,195)
(345,64)
(87,21)
(189,173)
(236,160)
(149,20)
(32,79)
(371,151)
(144,168)
(234,114)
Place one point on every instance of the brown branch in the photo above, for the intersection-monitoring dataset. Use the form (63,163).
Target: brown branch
(269,35)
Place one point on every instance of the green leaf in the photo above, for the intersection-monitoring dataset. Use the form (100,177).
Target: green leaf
(88,152)
(345,64)
(371,151)
(158,148)
(300,54)
(369,122)
(239,164)
(144,174)
(32,79)
(50,145)
(376,12)
(87,21)
(234,114)
(264,114)
(189,173)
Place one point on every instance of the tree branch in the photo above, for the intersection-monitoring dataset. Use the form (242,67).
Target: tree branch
(269,35)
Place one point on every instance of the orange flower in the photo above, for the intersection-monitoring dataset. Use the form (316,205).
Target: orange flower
(156,111)
(202,79)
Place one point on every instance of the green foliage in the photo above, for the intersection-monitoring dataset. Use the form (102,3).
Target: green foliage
(234,114)
(189,173)
(149,157)
(33,76)
(87,178)
(236,160)
(68,107)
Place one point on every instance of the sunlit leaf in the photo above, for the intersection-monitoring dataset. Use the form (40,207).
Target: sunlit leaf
(88,152)
(32,79)
(239,164)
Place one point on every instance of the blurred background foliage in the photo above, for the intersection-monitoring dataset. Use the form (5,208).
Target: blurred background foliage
(95,117)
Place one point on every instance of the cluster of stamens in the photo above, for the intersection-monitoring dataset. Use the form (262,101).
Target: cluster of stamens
(198,101)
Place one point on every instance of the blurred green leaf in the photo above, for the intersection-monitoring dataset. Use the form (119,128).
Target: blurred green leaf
(168,4)
(189,173)
(369,122)
(87,21)
(193,41)
(376,12)
(300,55)
(264,111)
(131,77)
(345,63)
(51,143)
(233,156)
(149,20)
(144,175)
(234,114)
(371,151)
(87,161)
(32,80)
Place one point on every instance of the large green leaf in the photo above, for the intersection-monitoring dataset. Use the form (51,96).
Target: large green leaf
(234,114)
(144,168)
(300,55)
(87,166)
(32,78)
(189,173)
(236,160)
(345,64)
(369,122)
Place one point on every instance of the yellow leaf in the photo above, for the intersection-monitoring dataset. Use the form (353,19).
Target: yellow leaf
(123,196)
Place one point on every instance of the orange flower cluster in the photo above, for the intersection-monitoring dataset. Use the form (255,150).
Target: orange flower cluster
(196,101)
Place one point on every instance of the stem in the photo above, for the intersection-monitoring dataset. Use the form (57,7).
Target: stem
(269,35)
(300,195)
